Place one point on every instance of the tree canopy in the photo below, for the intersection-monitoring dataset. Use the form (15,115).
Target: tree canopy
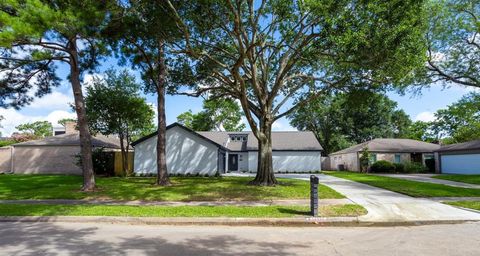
(39,128)
(218,115)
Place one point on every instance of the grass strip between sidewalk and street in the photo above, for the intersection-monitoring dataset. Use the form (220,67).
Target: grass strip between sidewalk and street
(475,205)
(407,187)
(16,187)
(178,211)
(471,179)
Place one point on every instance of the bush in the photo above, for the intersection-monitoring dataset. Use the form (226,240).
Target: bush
(413,167)
(382,166)
(399,167)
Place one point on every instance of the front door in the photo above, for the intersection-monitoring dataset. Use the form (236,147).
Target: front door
(232,162)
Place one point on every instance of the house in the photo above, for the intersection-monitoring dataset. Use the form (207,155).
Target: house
(461,158)
(53,155)
(208,153)
(392,150)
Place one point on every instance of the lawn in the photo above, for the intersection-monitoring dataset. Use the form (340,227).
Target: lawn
(177,211)
(466,204)
(16,187)
(472,179)
(411,188)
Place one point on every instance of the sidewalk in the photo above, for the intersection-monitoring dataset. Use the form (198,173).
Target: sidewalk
(427,178)
(387,206)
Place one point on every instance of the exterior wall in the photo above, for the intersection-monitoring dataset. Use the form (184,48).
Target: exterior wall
(186,153)
(242,161)
(291,161)
(460,163)
(46,159)
(325,163)
(404,157)
(349,161)
(5,159)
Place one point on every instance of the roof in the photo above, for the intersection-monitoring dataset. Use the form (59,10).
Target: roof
(470,145)
(392,146)
(100,141)
(294,141)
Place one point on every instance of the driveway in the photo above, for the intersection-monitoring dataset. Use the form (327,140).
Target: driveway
(387,206)
(428,178)
(118,239)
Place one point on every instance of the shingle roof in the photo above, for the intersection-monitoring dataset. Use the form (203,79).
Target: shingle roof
(296,141)
(470,145)
(73,140)
(392,145)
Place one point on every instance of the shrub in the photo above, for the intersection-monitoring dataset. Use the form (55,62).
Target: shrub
(413,167)
(399,167)
(382,166)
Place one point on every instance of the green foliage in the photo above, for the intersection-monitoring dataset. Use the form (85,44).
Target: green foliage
(399,167)
(4,143)
(35,35)
(364,159)
(64,121)
(114,106)
(413,167)
(382,166)
(38,129)
(220,114)
(422,131)
(454,45)
(343,119)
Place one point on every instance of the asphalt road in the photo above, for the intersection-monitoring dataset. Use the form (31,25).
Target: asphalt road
(119,239)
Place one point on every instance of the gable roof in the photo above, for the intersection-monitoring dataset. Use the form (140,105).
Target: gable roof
(470,145)
(392,146)
(294,141)
(100,141)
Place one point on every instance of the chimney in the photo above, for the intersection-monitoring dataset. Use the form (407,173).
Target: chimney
(71,127)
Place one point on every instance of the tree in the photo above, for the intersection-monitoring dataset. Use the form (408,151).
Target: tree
(1,119)
(459,122)
(114,107)
(219,115)
(37,35)
(339,120)
(144,32)
(423,131)
(39,129)
(64,121)
(454,43)
(267,53)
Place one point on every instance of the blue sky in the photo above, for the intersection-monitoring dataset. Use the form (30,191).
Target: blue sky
(55,106)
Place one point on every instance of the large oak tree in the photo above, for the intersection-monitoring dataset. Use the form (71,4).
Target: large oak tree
(268,53)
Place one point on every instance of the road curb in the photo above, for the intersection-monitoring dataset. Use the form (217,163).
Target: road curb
(293,222)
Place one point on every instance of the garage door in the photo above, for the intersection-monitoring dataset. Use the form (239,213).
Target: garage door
(461,164)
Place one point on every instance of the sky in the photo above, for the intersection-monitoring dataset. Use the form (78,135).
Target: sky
(57,105)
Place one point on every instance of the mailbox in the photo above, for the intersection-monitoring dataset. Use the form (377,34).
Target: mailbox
(314,195)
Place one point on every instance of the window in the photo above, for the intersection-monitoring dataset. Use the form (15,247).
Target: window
(240,157)
(373,158)
(398,158)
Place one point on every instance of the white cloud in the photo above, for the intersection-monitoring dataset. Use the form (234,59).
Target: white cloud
(54,100)
(13,118)
(282,125)
(425,116)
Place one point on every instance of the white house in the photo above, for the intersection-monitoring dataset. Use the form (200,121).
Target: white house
(461,158)
(211,152)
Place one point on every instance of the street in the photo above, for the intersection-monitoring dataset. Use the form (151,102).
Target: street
(120,239)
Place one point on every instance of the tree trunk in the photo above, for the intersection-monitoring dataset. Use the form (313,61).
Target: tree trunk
(123,154)
(162,174)
(265,175)
(82,122)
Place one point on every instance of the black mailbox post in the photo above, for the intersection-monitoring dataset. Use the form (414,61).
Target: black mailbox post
(314,195)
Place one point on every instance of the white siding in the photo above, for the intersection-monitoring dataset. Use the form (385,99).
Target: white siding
(461,164)
(186,153)
(292,161)
(242,161)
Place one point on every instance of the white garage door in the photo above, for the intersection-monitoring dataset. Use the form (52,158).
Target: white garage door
(461,164)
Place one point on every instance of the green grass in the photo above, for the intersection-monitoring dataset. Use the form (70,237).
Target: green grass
(411,188)
(472,179)
(16,187)
(176,211)
(466,204)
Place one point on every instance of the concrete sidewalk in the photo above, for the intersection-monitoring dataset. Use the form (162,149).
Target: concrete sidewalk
(387,206)
(427,178)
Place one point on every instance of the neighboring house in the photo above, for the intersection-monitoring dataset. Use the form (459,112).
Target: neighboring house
(461,158)
(392,150)
(207,153)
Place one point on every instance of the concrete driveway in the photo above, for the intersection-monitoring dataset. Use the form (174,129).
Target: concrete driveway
(387,206)
(428,178)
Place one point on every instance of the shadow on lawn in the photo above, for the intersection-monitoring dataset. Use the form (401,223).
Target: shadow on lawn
(52,239)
